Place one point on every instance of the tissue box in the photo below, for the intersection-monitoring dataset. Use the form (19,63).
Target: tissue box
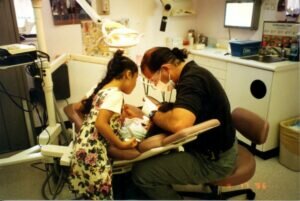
(244,48)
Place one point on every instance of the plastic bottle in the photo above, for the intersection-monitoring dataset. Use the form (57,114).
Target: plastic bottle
(191,39)
(294,51)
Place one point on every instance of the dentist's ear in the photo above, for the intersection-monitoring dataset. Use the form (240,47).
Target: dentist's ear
(167,67)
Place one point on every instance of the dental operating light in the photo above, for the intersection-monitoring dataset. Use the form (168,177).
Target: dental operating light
(175,8)
(115,34)
(166,14)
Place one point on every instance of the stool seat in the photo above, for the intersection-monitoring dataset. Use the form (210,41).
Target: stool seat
(244,169)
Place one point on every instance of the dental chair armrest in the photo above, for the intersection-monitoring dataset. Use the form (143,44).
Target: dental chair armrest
(125,154)
(151,142)
(189,132)
(181,137)
(145,145)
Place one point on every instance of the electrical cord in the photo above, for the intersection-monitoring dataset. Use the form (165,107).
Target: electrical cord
(34,107)
(59,184)
(43,54)
(10,96)
(34,165)
(49,175)
(32,70)
(53,171)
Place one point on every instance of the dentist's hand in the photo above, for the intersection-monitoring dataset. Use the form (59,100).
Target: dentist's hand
(130,143)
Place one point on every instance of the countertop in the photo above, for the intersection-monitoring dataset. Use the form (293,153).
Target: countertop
(220,54)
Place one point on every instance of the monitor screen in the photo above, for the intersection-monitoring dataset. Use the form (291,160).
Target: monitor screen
(243,14)
(239,14)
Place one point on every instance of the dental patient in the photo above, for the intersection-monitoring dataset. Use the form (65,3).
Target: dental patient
(136,122)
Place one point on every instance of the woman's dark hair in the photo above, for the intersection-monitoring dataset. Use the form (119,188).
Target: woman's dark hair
(115,68)
(155,57)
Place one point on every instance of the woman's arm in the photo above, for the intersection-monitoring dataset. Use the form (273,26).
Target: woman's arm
(103,127)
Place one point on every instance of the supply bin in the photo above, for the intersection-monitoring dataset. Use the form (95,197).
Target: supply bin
(289,154)
(244,47)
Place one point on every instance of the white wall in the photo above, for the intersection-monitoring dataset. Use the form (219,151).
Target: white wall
(143,15)
(210,20)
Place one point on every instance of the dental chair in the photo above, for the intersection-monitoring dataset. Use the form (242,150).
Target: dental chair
(255,129)
(149,147)
(124,159)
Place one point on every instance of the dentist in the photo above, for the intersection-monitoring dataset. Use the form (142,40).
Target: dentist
(200,97)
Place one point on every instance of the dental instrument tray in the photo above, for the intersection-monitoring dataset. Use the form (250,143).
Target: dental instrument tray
(17,54)
(240,48)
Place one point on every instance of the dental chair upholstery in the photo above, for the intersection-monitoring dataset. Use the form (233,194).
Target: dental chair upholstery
(255,129)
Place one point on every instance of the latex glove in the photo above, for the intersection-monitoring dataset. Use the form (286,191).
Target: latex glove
(148,106)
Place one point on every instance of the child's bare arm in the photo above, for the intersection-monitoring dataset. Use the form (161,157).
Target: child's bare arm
(130,111)
(103,127)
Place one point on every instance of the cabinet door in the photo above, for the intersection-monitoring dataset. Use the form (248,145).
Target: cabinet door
(249,88)
(217,67)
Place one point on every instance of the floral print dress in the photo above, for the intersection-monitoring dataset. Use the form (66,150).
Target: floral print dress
(91,168)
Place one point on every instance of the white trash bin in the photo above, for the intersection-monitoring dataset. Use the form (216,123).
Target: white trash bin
(289,154)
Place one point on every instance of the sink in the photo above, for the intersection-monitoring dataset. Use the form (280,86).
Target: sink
(265,59)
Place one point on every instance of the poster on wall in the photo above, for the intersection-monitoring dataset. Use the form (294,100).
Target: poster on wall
(67,12)
(91,38)
(279,34)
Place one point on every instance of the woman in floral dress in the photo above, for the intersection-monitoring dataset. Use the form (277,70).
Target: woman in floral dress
(91,168)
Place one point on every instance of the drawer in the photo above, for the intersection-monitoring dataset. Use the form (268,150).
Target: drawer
(218,73)
(205,61)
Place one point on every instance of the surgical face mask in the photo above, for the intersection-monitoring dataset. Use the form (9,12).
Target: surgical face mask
(164,87)
(156,83)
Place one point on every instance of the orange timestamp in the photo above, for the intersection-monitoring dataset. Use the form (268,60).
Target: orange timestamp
(255,185)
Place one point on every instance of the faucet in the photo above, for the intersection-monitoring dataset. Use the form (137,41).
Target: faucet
(269,50)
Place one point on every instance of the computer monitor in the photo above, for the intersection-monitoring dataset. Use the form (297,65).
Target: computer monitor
(242,13)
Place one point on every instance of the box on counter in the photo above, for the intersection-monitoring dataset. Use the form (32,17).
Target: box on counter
(240,48)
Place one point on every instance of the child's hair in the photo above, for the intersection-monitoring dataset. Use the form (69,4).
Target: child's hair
(115,68)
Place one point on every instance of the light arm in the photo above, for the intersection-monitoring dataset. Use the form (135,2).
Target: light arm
(89,10)
(114,34)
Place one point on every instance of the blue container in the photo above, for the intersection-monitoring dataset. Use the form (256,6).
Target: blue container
(244,47)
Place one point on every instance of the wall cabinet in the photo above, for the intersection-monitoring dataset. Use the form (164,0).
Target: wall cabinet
(272,94)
